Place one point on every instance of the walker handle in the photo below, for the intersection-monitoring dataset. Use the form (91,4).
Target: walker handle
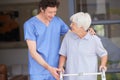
(61,75)
(103,76)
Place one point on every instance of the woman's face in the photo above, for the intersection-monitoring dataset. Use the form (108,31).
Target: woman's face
(74,27)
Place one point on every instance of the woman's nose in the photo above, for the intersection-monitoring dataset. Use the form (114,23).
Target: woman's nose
(70,25)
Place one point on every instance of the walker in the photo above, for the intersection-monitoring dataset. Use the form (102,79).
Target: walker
(102,73)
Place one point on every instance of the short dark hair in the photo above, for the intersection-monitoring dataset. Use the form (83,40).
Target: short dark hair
(43,4)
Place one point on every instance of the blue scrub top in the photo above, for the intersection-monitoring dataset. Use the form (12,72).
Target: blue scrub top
(47,39)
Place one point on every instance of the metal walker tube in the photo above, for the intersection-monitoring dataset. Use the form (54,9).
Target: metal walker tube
(102,73)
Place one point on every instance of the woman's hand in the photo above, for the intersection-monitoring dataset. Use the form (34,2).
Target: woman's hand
(102,67)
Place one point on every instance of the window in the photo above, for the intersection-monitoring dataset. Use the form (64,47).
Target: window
(12,18)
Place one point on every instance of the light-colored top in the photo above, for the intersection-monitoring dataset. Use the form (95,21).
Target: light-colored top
(47,39)
(81,55)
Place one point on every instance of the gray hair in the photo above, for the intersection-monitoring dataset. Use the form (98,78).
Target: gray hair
(81,19)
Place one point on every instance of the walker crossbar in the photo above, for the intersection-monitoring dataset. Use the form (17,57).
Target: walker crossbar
(102,73)
(82,74)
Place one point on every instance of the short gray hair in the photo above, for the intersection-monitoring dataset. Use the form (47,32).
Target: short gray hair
(81,19)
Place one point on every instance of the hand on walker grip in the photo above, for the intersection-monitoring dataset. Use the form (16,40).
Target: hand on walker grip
(103,68)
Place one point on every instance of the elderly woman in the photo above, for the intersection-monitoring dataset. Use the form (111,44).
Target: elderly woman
(80,52)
